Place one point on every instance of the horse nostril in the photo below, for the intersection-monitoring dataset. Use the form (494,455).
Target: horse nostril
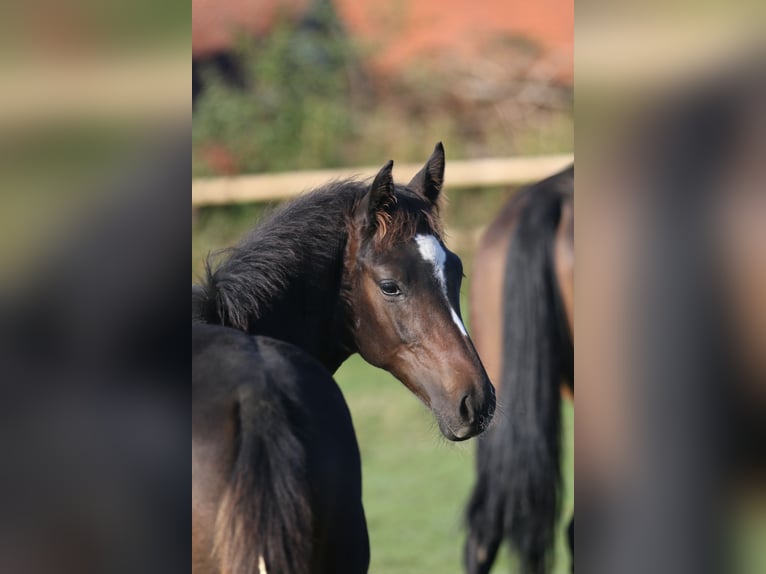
(467,409)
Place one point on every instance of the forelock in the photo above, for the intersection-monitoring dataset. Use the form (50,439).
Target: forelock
(410,216)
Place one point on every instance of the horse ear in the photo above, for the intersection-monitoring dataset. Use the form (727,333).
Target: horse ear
(429,180)
(381,195)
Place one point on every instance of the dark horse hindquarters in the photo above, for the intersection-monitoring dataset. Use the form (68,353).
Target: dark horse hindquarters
(270,429)
(516,494)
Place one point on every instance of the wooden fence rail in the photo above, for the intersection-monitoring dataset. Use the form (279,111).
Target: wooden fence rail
(458,174)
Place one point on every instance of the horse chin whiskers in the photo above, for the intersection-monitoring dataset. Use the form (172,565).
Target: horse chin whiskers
(485,421)
(442,424)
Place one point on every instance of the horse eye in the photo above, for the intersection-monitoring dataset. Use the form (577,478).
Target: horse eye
(390,288)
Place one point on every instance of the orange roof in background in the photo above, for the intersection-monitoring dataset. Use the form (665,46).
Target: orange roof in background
(216,24)
(397,33)
(459,28)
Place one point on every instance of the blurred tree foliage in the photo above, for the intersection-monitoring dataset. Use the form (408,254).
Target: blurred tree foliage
(294,110)
(299,98)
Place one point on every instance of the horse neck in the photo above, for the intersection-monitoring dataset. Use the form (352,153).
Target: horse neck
(311,312)
(289,279)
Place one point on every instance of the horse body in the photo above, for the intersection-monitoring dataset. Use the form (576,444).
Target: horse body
(523,320)
(267,470)
(348,268)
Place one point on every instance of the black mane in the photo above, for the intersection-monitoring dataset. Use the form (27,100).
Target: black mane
(296,239)
(288,270)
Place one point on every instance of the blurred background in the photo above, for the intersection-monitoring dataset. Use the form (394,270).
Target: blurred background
(87,88)
(94,175)
(284,86)
(95,115)
(671,253)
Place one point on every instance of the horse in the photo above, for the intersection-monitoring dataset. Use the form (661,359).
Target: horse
(522,303)
(354,268)
(274,417)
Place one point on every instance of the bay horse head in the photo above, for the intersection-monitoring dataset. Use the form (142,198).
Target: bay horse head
(402,287)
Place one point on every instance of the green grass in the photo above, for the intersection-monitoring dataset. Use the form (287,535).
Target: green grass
(415,482)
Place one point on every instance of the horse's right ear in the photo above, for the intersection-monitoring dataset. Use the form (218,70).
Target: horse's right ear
(379,200)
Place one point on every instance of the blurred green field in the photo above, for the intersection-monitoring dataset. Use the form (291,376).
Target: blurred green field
(416,483)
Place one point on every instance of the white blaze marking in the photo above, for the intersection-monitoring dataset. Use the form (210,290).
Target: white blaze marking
(458,322)
(432,251)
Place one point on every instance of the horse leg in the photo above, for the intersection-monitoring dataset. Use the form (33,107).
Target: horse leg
(481,550)
(570,537)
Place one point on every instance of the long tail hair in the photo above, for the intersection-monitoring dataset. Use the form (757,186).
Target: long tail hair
(518,462)
(264,523)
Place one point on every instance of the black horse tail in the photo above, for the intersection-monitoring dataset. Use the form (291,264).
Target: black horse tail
(535,348)
(516,494)
(264,523)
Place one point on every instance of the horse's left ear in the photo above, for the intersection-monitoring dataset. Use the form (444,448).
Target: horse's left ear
(429,180)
